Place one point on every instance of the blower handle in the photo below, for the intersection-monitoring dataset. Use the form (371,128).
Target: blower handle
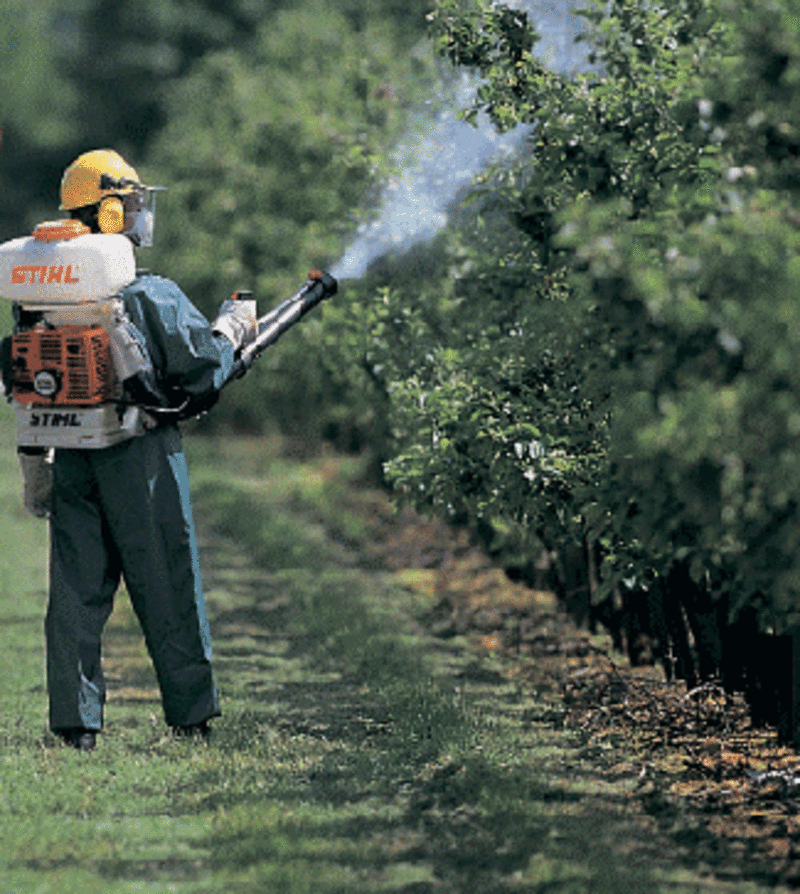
(319,286)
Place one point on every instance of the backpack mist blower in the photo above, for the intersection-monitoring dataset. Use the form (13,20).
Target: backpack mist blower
(73,367)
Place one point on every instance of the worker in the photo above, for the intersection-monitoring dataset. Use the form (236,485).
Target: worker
(123,511)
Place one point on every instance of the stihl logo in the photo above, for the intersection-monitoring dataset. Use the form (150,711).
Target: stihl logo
(54,420)
(45,274)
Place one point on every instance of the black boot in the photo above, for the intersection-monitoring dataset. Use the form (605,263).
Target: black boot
(194,730)
(78,737)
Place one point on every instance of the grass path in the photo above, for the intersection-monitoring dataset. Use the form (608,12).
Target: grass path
(356,753)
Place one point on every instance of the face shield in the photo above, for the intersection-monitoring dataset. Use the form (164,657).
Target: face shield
(139,214)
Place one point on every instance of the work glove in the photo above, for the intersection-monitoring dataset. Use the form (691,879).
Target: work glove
(37,476)
(236,320)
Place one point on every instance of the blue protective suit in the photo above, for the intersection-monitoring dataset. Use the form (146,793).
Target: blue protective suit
(125,512)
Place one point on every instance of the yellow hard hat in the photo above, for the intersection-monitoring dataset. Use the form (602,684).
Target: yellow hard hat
(95,175)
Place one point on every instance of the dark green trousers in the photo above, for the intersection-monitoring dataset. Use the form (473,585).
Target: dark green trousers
(124,512)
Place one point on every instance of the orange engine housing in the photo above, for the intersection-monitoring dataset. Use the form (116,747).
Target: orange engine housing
(67,366)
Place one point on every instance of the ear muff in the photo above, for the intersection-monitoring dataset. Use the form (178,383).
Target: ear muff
(111,215)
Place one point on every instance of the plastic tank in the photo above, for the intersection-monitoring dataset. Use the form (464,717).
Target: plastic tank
(63,263)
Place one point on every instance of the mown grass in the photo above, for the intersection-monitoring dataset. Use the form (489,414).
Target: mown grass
(354,754)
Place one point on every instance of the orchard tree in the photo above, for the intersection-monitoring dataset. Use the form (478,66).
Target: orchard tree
(616,371)
(706,423)
(538,459)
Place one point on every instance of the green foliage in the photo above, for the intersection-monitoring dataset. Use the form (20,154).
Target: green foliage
(37,111)
(522,375)
(92,73)
(704,296)
(31,100)
(269,157)
(136,49)
(284,143)
(611,362)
